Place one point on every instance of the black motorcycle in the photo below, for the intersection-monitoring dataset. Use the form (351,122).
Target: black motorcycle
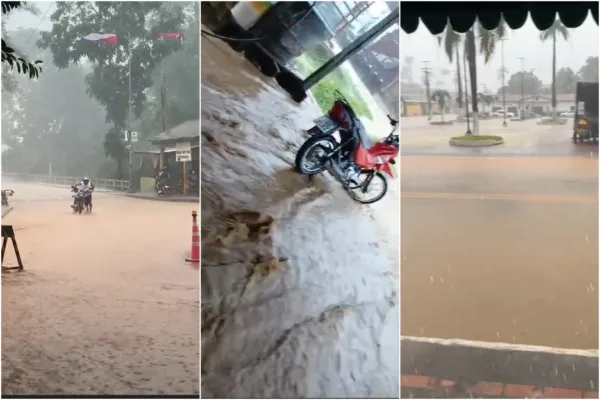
(83,200)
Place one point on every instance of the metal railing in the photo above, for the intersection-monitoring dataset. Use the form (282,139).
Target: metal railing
(112,184)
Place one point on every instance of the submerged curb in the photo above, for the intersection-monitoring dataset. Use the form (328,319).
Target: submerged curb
(476,143)
(463,369)
(165,199)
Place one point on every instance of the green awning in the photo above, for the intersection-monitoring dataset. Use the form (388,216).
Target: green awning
(462,14)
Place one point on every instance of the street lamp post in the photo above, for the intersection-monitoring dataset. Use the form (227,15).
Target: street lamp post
(503,88)
(466,93)
(522,87)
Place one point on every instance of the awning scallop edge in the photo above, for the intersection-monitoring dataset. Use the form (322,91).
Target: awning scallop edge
(463,14)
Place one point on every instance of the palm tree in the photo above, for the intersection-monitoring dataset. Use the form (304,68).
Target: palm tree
(452,41)
(485,99)
(552,32)
(440,96)
(487,47)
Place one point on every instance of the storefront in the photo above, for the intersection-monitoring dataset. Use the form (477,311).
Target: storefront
(179,149)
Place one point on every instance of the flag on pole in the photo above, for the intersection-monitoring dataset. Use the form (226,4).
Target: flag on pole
(171,35)
(108,38)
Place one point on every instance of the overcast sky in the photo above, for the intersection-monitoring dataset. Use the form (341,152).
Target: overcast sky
(423,46)
(525,42)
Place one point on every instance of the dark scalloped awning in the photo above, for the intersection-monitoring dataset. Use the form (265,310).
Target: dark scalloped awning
(462,14)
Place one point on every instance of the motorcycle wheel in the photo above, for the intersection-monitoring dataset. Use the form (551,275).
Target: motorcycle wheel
(316,146)
(360,189)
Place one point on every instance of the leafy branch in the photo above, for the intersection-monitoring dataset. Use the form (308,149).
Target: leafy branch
(23,66)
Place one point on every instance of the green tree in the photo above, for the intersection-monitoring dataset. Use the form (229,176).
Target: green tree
(589,72)
(441,96)
(531,83)
(114,148)
(136,25)
(9,53)
(485,99)
(452,42)
(488,41)
(44,128)
(555,30)
(566,80)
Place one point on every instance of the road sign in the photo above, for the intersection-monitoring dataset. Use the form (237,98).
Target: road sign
(134,136)
(128,146)
(183,151)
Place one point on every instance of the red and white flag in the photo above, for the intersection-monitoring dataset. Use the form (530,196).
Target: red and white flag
(171,35)
(108,38)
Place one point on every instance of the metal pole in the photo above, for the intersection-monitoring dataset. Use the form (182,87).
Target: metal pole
(466,92)
(129,125)
(351,49)
(522,87)
(503,87)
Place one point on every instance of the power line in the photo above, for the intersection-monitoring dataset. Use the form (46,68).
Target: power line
(38,25)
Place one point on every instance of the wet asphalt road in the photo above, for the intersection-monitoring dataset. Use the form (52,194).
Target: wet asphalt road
(106,305)
(502,249)
(521,139)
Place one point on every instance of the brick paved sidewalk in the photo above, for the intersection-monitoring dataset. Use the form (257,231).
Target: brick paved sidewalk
(455,369)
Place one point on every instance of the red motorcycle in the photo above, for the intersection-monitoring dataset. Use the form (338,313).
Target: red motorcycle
(353,159)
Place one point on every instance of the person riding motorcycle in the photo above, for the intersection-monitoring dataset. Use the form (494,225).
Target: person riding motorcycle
(193,179)
(162,179)
(85,185)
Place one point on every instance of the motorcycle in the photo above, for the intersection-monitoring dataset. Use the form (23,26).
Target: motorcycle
(82,200)
(353,160)
(6,193)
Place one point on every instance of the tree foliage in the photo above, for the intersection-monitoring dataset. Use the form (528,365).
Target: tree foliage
(566,80)
(556,30)
(441,96)
(10,54)
(531,83)
(42,128)
(136,25)
(589,72)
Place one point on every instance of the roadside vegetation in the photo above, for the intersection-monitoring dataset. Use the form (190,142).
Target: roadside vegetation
(324,91)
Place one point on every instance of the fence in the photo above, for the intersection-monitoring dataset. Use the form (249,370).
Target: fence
(112,184)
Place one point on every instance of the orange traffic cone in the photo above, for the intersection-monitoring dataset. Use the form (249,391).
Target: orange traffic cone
(195,253)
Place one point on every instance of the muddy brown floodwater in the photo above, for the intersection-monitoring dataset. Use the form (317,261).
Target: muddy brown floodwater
(106,304)
(299,283)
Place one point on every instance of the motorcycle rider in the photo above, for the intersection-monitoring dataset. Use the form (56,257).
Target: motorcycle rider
(162,179)
(87,186)
(193,179)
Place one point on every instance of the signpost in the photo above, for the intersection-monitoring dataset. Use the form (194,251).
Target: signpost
(183,151)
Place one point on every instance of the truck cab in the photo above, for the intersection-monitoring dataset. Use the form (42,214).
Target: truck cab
(585,120)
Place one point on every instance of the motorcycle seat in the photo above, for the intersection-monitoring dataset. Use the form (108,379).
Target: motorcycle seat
(364,138)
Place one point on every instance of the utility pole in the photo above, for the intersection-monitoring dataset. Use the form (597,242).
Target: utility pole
(163,105)
(522,87)
(466,93)
(503,87)
(426,70)
(130,143)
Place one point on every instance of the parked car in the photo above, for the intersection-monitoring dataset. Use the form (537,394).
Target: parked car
(568,114)
(500,113)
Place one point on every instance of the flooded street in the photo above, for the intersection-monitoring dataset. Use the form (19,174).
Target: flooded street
(106,304)
(501,249)
(299,283)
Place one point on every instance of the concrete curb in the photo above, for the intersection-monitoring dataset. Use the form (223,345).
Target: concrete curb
(475,143)
(195,200)
(462,369)
(5,211)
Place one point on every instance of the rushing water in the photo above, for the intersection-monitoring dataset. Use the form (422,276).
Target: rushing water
(298,285)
